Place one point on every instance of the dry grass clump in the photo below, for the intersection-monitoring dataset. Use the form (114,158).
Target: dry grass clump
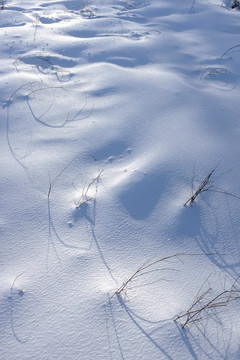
(207,304)
(205,185)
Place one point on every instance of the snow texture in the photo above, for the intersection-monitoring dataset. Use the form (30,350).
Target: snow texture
(112,113)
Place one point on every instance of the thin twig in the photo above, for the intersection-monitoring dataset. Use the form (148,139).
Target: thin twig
(148,265)
(191,11)
(85,198)
(200,189)
(205,186)
(20,87)
(231,48)
(16,279)
(194,313)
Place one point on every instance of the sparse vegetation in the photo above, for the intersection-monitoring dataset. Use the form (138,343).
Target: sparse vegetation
(201,188)
(85,198)
(205,185)
(145,115)
(20,291)
(206,304)
(146,268)
(149,267)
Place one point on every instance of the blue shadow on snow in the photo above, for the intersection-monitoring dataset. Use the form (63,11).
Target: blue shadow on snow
(142,195)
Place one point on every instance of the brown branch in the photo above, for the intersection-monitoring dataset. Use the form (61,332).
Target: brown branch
(148,266)
(200,189)
(194,313)
(231,48)
(205,186)
(85,198)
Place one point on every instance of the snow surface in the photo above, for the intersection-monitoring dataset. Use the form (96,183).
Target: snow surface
(108,108)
